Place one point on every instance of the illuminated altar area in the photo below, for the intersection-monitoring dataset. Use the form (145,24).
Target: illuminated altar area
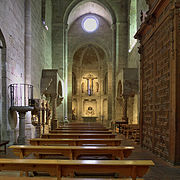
(90,70)
(89,86)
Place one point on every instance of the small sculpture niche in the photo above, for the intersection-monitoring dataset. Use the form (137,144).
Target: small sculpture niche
(74,114)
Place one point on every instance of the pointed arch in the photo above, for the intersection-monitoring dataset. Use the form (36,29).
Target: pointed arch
(105,7)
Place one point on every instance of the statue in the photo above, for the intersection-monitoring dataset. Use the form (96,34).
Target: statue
(82,87)
(74,114)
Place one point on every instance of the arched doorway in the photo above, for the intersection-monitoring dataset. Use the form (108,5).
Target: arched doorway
(3,89)
(90,61)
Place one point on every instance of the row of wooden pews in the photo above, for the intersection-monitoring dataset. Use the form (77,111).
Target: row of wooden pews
(74,141)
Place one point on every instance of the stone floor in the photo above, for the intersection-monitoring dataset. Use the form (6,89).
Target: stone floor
(161,171)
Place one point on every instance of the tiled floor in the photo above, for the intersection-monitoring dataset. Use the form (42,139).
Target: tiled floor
(162,170)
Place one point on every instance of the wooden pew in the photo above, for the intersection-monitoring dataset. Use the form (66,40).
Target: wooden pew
(78,136)
(82,128)
(76,142)
(81,131)
(59,168)
(66,178)
(85,124)
(72,152)
(131,131)
(63,178)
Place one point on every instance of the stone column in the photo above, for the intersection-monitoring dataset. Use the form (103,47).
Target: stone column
(27,39)
(65,68)
(122,36)
(125,118)
(121,45)
(79,95)
(21,137)
(1,46)
(110,94)
(54,118)
(27,59)
(113,27)
(70,89)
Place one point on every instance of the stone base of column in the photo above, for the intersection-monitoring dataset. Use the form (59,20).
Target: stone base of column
(53,124)
(21,140)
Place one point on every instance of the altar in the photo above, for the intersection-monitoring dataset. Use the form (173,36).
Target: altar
(89,118)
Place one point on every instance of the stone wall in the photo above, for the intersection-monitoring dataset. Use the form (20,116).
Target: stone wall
(12,25)
(40,43)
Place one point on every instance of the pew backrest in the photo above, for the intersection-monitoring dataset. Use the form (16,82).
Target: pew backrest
(59,168)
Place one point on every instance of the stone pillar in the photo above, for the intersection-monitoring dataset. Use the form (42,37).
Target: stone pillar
(122,34)
(1,46)
(21,137)
(121,45)
(70,89)
(27,60)
(65,67)
(125,118)
(79,96)
(113,27)
(54,118)
(27,39)
(110,90)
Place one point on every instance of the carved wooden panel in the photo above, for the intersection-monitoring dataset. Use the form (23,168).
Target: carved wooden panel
(156,90)
(160,80)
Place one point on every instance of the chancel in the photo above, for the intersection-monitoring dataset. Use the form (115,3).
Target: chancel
(79,66)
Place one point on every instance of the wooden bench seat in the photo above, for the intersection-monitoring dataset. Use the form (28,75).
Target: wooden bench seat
(82,128)
(75,142)
(72,152)
(59,168)
(78,136)
(63,178)
(81,131)
(131,131)
(84,124)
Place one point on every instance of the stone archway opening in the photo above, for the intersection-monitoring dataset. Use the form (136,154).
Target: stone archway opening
(89,69)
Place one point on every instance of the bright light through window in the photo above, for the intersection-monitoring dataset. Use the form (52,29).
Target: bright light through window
(90,24)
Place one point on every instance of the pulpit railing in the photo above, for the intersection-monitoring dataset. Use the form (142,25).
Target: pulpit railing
(20,94)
